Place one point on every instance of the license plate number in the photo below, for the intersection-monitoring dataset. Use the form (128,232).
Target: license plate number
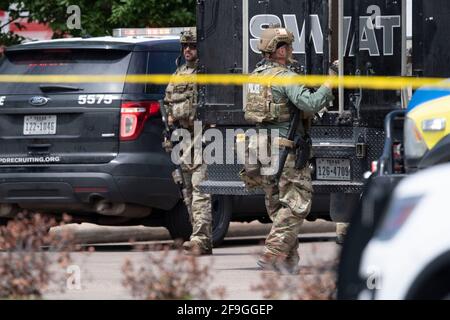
(39,125)
(333,169)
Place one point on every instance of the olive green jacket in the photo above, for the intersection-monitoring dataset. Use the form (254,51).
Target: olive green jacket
(298,95)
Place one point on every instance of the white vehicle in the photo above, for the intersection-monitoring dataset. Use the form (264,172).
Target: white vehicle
(409,256)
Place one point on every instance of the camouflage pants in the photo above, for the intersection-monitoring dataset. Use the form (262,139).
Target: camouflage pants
(288,203)
(201,218)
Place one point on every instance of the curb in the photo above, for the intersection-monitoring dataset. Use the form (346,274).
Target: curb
(91,234)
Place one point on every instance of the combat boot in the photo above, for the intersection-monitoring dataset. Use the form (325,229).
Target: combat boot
(341,232)
(291,265)
(267,262)
(193,248)
(279,264)
(340,239)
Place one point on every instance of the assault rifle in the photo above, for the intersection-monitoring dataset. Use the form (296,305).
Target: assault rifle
(177,174)
(295,121)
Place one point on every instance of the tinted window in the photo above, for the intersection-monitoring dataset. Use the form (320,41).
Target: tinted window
(65,61)
(138,66)
(161,63)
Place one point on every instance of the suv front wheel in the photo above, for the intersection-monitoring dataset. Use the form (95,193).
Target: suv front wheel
(3,221)
(221,215)
(178,223)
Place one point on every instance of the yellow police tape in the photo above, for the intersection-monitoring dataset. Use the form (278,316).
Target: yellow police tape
(350,82)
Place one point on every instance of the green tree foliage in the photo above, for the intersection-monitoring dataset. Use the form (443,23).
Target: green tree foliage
(99,17)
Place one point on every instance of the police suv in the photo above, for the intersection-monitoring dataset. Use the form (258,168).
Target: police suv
(92,149)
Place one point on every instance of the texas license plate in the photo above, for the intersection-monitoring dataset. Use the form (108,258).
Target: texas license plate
(39,125)
(333,169)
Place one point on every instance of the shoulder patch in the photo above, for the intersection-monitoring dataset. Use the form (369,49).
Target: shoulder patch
(261,68)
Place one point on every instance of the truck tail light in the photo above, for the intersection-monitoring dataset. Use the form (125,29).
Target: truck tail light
(374,166)
(397,155)
(133,115)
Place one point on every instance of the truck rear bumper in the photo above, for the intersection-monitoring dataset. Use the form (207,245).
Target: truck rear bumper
(238,187)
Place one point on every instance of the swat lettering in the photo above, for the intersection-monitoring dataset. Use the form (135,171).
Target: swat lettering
(259,22)
(367,42)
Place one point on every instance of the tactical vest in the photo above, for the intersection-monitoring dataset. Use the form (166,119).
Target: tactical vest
(182,98)
(260,106)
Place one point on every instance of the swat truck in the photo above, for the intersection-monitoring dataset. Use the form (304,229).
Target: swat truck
(368,36)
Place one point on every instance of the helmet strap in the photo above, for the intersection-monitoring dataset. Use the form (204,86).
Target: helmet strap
(178,61)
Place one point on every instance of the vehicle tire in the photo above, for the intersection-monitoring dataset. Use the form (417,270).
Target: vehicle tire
(178,223)
(433,291)
(441,292)
(221,214)
(3,221)
(432,287)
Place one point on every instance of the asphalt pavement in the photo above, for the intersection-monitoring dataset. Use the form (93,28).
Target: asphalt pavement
(233,266)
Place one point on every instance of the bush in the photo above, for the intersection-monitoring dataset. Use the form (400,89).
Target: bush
(169,275)
(25,268)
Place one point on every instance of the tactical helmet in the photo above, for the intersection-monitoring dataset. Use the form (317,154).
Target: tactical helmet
(273,36)
(188,36)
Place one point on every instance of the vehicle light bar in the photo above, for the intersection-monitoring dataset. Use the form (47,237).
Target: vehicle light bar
(148,32)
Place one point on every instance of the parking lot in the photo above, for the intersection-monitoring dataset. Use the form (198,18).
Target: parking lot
(144,135)
(232,266)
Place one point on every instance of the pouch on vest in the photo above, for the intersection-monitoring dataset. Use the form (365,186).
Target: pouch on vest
(260,106)
(247,154)
(181,99)
(183,110)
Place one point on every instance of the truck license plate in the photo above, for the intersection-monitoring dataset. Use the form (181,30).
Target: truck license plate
(39,125)
(333,169)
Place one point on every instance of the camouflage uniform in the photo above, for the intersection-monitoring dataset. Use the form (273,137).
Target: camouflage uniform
(288,201)
(180,102)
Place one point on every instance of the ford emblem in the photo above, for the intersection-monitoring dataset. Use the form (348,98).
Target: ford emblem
(39,101)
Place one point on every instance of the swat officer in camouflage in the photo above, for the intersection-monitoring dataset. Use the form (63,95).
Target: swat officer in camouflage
(288,200)
(180,102)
